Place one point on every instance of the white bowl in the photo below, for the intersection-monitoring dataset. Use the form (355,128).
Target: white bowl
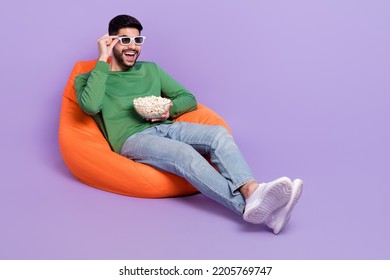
(151,107)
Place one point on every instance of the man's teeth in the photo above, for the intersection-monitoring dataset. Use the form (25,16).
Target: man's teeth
(129,53)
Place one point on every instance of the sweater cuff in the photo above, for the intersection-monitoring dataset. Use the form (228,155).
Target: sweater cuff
(102,66)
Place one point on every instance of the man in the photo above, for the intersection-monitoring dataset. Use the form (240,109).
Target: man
(107,93)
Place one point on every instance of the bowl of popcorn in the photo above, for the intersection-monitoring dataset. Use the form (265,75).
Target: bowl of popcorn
(151,107)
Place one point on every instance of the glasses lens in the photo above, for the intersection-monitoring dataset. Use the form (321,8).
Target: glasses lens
(125,40)
(139,40)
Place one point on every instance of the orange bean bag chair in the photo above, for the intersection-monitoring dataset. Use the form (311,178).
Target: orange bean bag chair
(91,160)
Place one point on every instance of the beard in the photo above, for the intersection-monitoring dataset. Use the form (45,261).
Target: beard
(119,57)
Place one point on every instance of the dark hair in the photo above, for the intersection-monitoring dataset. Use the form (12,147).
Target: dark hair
(123,21)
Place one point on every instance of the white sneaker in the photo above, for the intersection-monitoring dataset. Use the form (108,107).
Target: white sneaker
(279,219)
(267,198)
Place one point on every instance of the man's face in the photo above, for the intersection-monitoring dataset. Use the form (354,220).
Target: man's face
(126,56)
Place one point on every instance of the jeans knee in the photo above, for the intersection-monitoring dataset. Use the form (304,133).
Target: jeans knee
(221,129)
(221,132)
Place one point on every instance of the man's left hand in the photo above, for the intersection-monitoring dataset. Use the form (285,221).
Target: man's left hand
(164,116)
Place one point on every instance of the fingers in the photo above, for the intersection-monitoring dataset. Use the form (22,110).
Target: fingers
(161,119)
(106,36)
(164,116)
(108,40)
(105,44)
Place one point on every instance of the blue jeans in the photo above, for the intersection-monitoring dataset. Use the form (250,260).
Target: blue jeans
(179,148)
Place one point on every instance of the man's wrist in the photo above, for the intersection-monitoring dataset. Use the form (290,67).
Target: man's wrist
(103,58)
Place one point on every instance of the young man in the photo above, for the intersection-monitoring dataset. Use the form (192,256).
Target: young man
(107,93)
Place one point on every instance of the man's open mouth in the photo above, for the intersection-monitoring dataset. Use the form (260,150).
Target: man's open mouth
(130,53)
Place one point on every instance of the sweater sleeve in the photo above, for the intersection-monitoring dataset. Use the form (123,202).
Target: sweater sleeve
(90,88)
(183,101)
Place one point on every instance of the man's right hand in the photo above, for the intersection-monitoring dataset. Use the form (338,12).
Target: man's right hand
(105,45)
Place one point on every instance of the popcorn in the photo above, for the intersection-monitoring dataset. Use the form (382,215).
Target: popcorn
(151,107)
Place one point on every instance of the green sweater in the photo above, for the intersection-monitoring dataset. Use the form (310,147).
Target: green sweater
(108,97)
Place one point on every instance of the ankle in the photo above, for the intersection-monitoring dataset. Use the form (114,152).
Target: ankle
(249,188)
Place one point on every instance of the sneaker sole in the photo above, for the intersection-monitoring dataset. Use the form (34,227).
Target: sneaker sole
(276,196)
(284,214)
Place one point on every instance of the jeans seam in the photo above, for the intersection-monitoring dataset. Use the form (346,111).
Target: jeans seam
(212,151)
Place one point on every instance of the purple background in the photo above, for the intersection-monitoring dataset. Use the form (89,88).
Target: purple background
(303,84)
